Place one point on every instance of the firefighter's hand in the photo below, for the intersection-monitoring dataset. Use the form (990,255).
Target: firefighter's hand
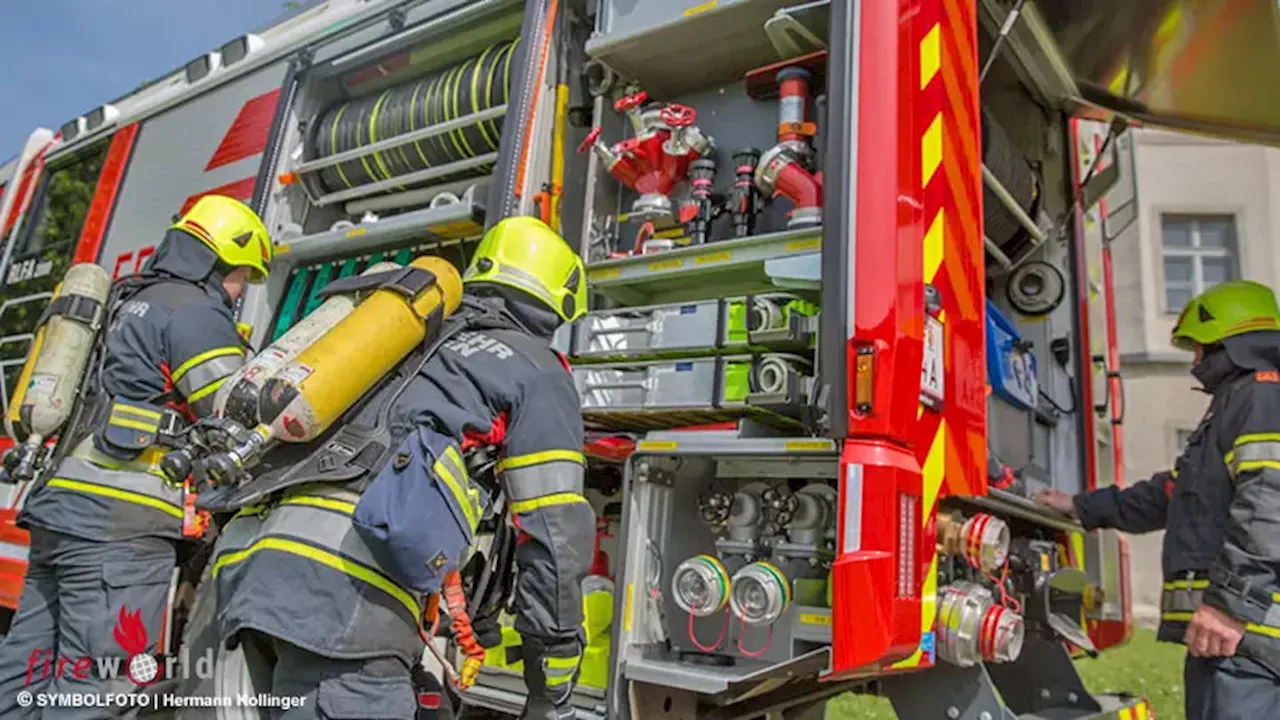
(1213,633)
(1057,500)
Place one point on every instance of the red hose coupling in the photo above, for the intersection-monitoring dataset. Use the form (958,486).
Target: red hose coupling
(780,173)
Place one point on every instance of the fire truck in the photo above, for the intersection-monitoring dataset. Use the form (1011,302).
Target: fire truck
(851,300)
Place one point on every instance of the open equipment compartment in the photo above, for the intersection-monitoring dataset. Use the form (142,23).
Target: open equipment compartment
(385,146)
(702,232)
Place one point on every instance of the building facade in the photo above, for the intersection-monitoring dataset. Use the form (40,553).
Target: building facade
(1206,211)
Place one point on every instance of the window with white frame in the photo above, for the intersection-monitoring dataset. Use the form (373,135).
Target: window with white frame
(1183,435)
(1199,252)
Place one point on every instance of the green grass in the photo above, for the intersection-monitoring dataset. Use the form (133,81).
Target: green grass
(1142,667)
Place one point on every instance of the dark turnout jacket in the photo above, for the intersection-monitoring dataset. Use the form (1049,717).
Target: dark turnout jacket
(1220,503)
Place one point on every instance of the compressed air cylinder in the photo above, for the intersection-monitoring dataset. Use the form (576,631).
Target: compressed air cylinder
(47,387)
(306,396)
(237,398)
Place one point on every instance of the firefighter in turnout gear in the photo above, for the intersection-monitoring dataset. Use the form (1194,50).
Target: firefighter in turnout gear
(1218,506)
(106,528)
(321,589)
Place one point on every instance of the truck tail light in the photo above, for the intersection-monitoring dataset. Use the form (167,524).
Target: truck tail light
(907,524)
(863,377)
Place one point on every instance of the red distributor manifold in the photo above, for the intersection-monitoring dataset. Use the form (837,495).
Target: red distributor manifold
(658,157)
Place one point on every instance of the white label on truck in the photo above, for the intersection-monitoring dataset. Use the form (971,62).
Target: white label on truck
(931,383)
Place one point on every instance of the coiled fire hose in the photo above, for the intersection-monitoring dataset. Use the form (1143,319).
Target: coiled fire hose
(476,84)
(460,625)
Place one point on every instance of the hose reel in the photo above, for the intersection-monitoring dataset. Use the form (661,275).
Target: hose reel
(474,85)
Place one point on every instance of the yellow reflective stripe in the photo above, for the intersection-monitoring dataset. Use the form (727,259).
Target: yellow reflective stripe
(118,494)
(538,458)
(1176,616)
(562,663)
(132,424)
(341,506)
(147,462)
(1257,437)
(455,487)
(205,391)
(557,680)
(1174,473)
(140,412)
(473,495)
(250,510)
(1262,630)
(207,355)
(337,562)
(1185,585)
(546,501)
(1248,465)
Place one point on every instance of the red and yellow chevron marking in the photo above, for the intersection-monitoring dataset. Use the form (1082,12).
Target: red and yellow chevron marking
(950,445)
(1140,711)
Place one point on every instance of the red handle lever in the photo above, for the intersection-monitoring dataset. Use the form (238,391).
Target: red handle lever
(678,115)
(592,137)
(629,102)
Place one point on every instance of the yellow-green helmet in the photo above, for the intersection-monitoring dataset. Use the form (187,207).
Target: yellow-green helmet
(524,254)
(233,231)
(1225,310)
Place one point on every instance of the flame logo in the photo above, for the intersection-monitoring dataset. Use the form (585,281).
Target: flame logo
(131,635)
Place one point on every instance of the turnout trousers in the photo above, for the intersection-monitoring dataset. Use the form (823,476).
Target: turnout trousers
(82,603)
(1233,688)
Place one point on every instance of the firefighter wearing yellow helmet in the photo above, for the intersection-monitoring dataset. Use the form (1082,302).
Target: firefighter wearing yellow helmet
(319,591)
(1218,505)
(105,526)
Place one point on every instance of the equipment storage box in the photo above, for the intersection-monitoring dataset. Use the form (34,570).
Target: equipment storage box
(776,321)
(658,394)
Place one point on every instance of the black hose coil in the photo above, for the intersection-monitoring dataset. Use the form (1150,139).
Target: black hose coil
(474,85)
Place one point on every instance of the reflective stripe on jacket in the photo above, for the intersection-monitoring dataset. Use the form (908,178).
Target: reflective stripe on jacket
(300,571)
(95,496)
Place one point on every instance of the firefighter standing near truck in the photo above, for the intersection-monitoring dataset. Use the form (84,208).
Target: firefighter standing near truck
(1220,508)
(105,525)
(320,592)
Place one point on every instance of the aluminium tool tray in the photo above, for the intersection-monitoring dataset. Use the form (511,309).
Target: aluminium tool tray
(750,323)
(773,388)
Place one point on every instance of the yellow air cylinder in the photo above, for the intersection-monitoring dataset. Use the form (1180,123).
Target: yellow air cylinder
(305,397)
(238,397)
(50,379)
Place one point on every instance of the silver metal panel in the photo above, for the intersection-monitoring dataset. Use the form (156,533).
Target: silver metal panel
(689,383)
(169,160)
(648,329)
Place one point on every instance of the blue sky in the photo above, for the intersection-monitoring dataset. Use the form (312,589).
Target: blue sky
(62,58)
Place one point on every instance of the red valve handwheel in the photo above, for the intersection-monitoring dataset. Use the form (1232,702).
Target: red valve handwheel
(628,102)
(678,115)
(592,137)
